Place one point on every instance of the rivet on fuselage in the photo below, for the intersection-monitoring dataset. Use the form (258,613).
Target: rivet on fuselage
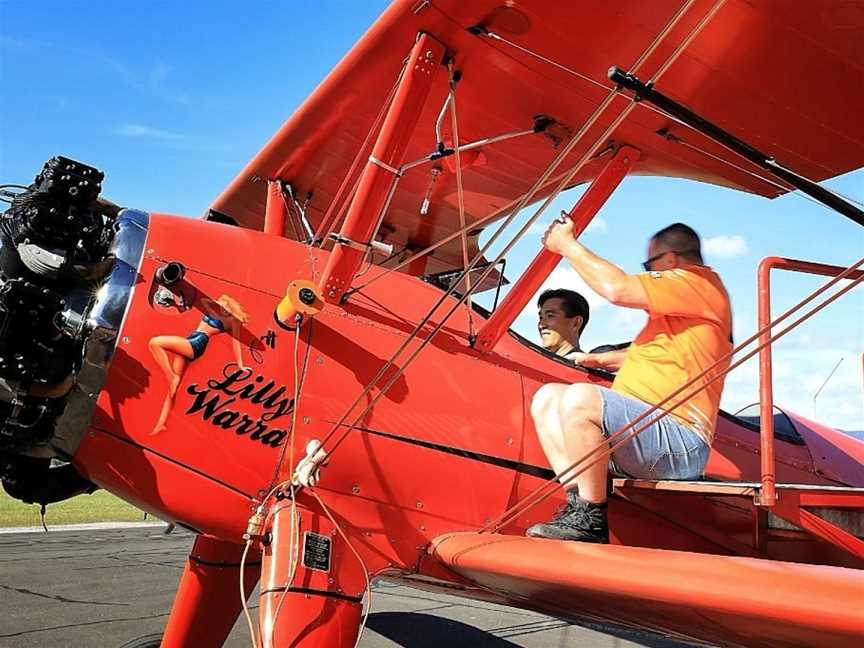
(125,339)
(355,489)
(419,505)
(307,420)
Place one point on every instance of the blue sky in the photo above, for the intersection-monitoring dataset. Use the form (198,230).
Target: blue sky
(172,99)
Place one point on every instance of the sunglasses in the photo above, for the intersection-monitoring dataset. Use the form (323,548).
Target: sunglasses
(647,262)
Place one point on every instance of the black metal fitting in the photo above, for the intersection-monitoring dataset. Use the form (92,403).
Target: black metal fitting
(170,274)
(307,296)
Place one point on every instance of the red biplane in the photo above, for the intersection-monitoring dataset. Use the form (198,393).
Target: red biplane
(279,378)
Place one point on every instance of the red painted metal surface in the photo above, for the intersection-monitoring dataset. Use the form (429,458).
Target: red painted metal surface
(766,390)
(789,507)
(200,441)
(766,395)
(276,210)
(410,470)
(378,176)
(544,263)
(722,75)
(724,598)
(207,602)
(303,606)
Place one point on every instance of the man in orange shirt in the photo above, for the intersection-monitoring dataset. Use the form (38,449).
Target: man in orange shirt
(688,330)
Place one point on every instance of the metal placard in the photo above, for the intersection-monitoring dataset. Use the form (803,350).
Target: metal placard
(316,551)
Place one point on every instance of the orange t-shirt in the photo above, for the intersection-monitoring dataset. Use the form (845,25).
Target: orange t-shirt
(689,328)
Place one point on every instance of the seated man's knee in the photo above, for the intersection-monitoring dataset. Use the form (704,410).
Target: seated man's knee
(546,400)
(580,400)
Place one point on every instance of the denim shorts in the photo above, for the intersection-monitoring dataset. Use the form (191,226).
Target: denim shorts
(666,449)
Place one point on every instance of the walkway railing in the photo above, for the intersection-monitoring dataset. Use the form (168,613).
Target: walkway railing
(767,496)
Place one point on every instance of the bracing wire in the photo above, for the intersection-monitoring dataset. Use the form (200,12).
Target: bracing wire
(505,223)
(784,187)
(460,192)
(618,438)
(575,139)
(461,300)
(673,21)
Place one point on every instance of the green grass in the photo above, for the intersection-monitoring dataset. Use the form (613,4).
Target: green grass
(101,506)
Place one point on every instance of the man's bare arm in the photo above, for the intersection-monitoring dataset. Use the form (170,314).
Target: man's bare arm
(605,278)
(609,360)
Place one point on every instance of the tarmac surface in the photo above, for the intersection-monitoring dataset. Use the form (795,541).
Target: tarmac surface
(103,587)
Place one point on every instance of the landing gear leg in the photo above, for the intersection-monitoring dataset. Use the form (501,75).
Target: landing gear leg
(320,604)
(207,602)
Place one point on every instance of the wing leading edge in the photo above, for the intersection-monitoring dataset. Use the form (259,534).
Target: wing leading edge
(783,76)
(730,601)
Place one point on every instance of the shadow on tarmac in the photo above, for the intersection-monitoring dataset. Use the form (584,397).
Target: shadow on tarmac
(419,630)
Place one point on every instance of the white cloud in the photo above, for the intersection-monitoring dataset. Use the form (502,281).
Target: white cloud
(798,374)
(538,228)
(598,225)
(137,130)
(725,247)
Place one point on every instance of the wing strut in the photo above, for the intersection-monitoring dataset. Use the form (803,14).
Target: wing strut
(376,183)
(646,92)
(544,263)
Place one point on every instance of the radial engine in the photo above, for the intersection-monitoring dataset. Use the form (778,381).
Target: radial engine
(67,264)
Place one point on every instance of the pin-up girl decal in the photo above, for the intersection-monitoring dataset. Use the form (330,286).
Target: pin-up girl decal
(172,352)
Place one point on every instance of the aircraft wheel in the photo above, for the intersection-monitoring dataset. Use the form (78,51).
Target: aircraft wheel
(147,641)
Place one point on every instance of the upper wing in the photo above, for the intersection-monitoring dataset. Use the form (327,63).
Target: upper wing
(723,600)
(784,76)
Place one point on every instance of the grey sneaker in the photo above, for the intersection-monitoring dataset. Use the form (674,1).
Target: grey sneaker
(576,520)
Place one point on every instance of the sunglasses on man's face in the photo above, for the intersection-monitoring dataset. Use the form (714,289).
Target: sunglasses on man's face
(647,262)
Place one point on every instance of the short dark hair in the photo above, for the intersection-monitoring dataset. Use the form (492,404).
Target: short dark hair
(682,239)
(572,303)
